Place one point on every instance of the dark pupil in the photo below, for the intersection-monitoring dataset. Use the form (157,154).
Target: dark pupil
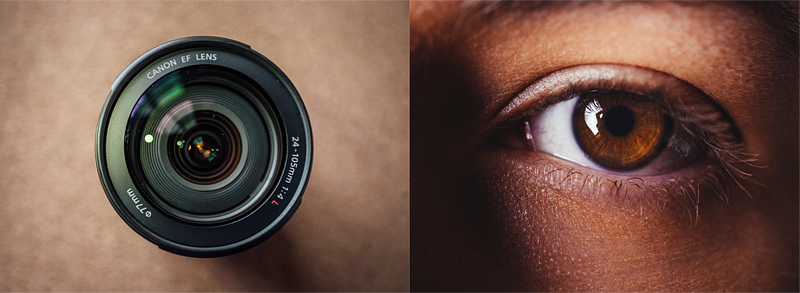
(619,120)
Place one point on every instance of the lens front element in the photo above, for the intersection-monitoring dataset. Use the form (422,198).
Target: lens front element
(211,146)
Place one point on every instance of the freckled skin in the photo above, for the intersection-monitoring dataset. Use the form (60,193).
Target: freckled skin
(490,218)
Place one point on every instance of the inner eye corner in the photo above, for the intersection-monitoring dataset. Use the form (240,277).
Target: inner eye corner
(512,135)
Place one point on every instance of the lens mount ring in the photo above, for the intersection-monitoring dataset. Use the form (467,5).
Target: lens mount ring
(179,198)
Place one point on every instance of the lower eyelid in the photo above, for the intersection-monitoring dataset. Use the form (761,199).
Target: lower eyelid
(684,189)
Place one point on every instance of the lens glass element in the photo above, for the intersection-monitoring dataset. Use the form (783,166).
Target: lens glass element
(207,146)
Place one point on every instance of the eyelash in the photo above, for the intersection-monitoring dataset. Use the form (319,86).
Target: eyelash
(695,112)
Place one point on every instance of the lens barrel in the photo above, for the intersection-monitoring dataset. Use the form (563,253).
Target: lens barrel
(204,147)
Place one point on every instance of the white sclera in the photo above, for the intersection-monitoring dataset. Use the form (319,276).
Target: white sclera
(553,134)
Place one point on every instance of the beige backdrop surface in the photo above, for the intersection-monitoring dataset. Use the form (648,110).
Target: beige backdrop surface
(349,60)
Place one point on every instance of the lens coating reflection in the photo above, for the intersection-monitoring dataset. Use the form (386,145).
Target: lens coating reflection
(207,147)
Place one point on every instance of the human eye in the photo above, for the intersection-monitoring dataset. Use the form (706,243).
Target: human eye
(646,132)
(614,131)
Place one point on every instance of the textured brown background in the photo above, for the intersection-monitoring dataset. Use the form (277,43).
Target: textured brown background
(349,60)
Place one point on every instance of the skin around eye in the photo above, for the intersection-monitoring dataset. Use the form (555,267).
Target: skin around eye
(491,217)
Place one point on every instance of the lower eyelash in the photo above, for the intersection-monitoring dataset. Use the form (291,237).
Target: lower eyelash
(715,131)
(653,193)
(726,161)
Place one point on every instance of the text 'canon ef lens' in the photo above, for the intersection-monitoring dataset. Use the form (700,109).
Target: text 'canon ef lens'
(204,147)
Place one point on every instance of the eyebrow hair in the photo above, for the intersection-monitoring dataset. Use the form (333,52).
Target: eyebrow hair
(781,16)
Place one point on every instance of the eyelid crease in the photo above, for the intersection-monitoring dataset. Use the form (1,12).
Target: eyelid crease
(563,84)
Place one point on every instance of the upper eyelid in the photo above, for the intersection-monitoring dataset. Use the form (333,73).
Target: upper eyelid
(672,93)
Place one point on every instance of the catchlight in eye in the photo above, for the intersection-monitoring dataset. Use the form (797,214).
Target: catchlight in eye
(620,130)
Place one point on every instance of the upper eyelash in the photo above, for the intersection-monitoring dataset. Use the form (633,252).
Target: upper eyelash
(692,107)
(695,110)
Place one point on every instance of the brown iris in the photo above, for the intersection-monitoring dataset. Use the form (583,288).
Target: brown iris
(620,130)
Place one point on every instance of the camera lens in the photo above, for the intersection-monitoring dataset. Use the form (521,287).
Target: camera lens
(204,147)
